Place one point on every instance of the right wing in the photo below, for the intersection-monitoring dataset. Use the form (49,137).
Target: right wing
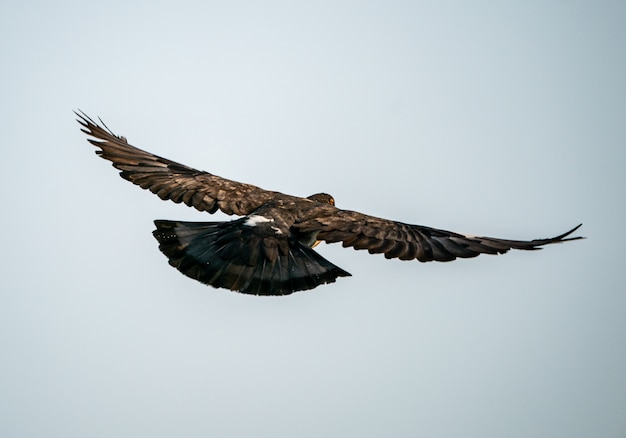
(409,242)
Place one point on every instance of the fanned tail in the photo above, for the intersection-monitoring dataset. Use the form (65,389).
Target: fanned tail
(230,255)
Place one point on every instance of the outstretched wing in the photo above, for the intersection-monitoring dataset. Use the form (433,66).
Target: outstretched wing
(171,180)
(408,242)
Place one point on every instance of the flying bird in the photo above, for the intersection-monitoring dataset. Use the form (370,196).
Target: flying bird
(269,250)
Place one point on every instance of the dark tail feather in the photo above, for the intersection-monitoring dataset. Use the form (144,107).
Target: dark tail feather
(229,255)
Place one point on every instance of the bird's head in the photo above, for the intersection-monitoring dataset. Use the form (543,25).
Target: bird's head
(324,198)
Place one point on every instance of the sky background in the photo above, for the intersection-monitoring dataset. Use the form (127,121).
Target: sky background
(492,118)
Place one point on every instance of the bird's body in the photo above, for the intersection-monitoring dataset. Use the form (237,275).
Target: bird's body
(269,250)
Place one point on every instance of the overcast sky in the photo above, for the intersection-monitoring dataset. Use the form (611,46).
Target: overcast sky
(492,118)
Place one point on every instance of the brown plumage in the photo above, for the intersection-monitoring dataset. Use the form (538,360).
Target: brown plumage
(269,250)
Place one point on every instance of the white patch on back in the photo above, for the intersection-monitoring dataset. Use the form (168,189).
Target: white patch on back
(255,220)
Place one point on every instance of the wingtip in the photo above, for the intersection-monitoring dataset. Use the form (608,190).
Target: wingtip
(84,120)
(93,128)
(562,237)
(80,113)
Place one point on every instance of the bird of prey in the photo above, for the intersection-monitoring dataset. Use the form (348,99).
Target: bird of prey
(269,250)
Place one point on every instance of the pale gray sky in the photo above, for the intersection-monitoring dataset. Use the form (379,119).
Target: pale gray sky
(492,118)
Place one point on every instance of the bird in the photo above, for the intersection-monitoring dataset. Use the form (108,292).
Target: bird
(269,249)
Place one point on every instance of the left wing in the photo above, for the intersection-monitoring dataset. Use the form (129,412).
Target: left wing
(170,180)
(408,242)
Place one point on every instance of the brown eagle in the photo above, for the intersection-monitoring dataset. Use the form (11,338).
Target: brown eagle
(269,250)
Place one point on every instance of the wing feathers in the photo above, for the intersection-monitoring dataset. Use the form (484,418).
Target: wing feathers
(171,180)
(411,242)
